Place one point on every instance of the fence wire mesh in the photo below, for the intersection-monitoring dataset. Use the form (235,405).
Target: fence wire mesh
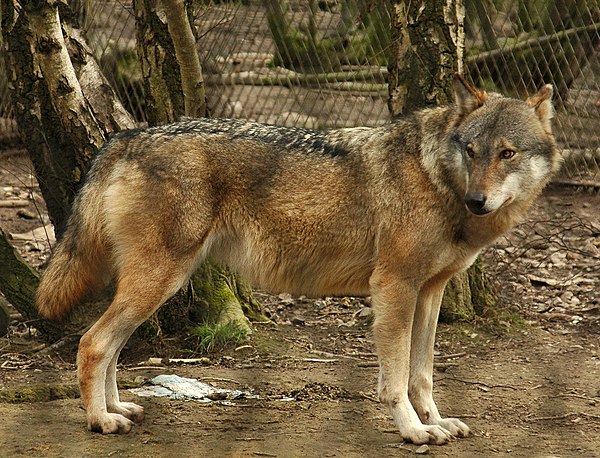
(323,63)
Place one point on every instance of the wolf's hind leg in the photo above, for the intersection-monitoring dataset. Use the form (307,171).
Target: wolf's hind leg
(129,410)
(147,279)
(420,387)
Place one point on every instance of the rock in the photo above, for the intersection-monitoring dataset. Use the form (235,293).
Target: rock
(45,233)
(26,214)
(566,296)
(541,281)
(365,312)
(285,297)
(297,321)
(558,258)
(422,450)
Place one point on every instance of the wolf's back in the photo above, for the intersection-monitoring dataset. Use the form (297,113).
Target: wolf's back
(78,264)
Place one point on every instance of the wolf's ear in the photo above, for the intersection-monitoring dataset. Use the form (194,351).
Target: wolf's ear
(542,104)
(467,97)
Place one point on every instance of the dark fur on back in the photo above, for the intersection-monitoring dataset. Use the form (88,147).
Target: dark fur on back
(290,138)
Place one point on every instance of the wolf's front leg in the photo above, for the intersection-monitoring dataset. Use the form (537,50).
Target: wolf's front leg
(394,306)
(420,388)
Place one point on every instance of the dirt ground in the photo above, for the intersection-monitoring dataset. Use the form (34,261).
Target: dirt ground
(526,378)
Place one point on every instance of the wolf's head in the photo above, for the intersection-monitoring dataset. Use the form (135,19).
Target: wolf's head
(506,145)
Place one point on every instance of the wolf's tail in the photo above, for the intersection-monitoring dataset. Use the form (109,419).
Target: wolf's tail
(78,264)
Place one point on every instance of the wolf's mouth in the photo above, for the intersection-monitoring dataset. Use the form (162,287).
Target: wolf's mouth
(508,200)
(484,212)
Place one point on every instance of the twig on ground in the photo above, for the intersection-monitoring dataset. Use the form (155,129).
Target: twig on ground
(142,368)
(564,416)
(219,379)
(436,365)
(13,203)
(319,360)
(476,382)
(332,355)
(70,338)
(452,355)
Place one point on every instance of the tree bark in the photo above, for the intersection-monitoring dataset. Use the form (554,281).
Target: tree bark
(160,69)
(18,282)
(427,49)
(468,294)
(63,120)
(77,119)
(37,120)
(184,42)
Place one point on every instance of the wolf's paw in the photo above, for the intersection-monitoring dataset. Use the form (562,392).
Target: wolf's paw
(455,427)
(110,423)
(427,434)
(129,410)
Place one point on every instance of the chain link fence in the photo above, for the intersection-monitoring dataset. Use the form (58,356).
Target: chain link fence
(323,63)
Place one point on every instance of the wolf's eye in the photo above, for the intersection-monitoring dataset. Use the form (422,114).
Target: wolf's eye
(507,154)
(470,151)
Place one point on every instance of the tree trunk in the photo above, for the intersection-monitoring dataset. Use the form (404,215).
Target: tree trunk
(160,70)
(427,49)
(64,107)
(37,119)
(468,294)
(192,82)
(217,295)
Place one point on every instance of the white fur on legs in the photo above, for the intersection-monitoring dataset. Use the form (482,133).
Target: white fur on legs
(421,397)
(129,410)
(420,388)
(92,385)
(139,293)
(408,422)
(394,305)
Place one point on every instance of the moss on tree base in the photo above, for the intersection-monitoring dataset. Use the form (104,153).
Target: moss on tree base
(467,295)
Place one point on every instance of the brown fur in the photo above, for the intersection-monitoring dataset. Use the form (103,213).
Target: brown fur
(376,211)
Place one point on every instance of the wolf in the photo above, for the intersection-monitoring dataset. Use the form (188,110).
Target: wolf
(392,212)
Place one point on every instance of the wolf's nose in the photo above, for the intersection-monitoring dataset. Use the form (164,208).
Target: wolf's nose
(475,202)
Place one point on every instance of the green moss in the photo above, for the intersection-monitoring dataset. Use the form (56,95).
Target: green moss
(39,393)
(468,295)
(129,384)
(221,297)
(457,302)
